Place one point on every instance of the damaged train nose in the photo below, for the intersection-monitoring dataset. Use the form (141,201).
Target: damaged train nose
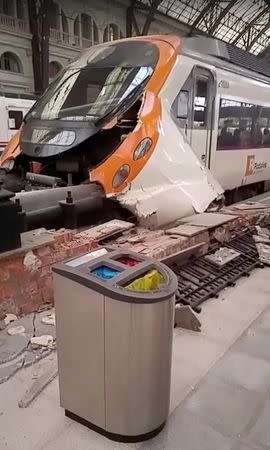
(105,122)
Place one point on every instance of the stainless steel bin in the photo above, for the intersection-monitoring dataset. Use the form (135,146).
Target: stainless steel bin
(114,344)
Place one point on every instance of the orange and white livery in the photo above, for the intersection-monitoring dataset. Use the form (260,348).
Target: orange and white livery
(164,125)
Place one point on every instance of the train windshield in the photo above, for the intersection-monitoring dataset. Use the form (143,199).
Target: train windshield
(99,83)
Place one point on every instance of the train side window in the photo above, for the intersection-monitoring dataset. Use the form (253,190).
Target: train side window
(15,119)
(182,105)
(242,125)
(200,103)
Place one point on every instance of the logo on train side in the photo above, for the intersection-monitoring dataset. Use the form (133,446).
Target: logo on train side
(253,166)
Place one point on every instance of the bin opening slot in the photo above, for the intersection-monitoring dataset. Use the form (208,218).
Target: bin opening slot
(87,257)
(105,272)
(127,261)
(150,281)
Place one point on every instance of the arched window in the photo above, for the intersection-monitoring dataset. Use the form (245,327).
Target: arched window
(20,9)
(89,30)
(112,32)
(7,8)
(10,62)
(54,14)
(76,27)
(64,22)
(54,68)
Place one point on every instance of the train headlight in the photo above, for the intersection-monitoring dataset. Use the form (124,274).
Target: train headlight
(121,175)
(8,164)
(142,149)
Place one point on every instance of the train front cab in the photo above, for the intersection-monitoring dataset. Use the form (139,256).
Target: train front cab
(150,168)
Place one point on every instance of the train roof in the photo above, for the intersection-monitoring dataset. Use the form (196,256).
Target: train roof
(224,55)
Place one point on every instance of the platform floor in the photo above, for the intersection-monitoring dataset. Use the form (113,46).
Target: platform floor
(220,397)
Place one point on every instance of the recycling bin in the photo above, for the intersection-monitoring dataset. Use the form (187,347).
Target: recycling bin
(114,325)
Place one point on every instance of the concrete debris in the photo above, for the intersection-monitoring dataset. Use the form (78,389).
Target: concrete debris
(222,256)
(39,384)
(250,206)
(15,349)
(262,232)
(16,330)
(108,229)
(262,240)
(31,262)
(186,318)
(10,318)
(208,220)
(39,231)
(264,252)
(42,341)
(49,319)
(186,230)
(221,234)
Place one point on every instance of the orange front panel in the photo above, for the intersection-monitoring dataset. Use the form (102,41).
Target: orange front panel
(12,150)
(148,118)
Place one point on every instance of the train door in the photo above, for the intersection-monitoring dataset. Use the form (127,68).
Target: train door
(194,111)
(202,113)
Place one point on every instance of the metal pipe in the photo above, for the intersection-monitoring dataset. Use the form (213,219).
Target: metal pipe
(46,180)
(63,214)
(33,200)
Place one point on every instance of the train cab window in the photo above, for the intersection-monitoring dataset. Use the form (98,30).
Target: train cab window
(15,119)
(200,103)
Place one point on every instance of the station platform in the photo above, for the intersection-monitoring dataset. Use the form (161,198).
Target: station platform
(220,394)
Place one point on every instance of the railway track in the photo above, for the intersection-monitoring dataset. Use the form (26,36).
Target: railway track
(201,278)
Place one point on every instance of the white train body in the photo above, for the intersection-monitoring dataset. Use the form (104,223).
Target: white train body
(232,163)
(12,112)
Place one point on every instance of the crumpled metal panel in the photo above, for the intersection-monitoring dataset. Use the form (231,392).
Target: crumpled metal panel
(173,184)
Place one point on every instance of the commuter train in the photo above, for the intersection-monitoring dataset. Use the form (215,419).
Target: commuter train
(165,126)
(12,111)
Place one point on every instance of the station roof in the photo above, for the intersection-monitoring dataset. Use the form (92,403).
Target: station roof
(244,23)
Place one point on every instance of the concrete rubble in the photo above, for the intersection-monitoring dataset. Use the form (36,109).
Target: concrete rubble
(35,340)
(46,340)
(222,256)
(262,239)
(186,318)
(9,318)
(41,381)
(16,330)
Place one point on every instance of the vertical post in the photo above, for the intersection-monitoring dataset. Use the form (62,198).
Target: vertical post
(45,36)
(92,32)
(35,45)
(151,14)
(129,22)
(15,8)
(61,26)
